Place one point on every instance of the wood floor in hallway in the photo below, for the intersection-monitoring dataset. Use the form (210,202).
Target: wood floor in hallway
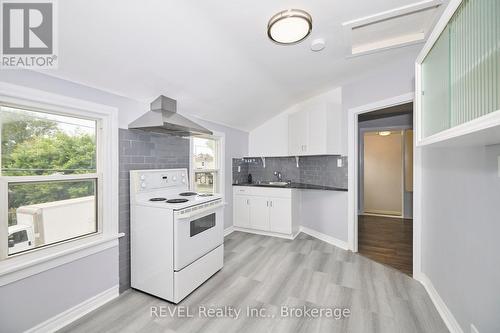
(387,240)
(269,273)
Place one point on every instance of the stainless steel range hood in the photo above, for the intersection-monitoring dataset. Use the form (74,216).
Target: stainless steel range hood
(163,118)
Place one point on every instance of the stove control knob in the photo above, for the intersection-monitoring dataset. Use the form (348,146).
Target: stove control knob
(143,185)
(174,178)
(183,175)
(184,180)
(143,177)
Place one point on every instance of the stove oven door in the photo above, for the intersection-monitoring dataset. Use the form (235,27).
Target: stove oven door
(197,232)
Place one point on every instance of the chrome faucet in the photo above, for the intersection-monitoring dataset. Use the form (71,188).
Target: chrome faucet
(278,175)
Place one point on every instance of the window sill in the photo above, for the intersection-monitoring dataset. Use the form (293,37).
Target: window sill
(22,266)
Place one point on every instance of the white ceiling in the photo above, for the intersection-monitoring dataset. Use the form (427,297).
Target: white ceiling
(213,56)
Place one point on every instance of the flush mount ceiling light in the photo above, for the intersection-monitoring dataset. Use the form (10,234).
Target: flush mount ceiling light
(289,26)
(384,133)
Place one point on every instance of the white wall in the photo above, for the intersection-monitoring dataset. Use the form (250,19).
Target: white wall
(460,232)
(28,302)
(394,79)
(325,212)
(383,82)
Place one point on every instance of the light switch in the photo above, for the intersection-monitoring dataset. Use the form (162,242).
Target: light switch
(239,168)
(339,163)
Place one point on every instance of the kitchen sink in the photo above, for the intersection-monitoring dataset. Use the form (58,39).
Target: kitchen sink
(277,183)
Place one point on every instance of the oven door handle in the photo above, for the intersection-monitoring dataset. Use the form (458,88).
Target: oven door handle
(198,213)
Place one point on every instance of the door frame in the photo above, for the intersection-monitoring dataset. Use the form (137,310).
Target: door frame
(353,160)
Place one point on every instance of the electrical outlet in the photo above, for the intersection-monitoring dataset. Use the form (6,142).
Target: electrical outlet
(473,328)
(339,162)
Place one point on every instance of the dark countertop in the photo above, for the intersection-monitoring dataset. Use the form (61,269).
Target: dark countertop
(297,186)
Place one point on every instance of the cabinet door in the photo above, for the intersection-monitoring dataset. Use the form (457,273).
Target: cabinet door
(298,132)
(280,215)
(317,130)
(259,213)
(241,211)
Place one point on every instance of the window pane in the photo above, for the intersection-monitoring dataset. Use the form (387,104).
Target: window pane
(43,213)
(205,182)
(202,224)
(38,143)
(204,153)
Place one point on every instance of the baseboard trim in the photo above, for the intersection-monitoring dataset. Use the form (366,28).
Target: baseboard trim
(228,231)
(325,238)
(265,233)
(67,317)
(446,314)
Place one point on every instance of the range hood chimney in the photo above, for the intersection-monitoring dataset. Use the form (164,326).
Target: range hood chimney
(163,118)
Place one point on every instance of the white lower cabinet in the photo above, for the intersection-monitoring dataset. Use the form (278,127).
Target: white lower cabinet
(270,210)
(259,213)
(241,211)
(280,215)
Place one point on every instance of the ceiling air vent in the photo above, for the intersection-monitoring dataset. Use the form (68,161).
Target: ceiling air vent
(397,27)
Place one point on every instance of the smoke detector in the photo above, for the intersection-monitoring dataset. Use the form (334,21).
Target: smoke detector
(318,44)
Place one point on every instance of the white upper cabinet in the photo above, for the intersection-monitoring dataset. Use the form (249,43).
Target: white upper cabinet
(298,133)
(311,127)
(457,77)
(316,129)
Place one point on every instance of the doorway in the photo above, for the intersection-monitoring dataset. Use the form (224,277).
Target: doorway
(385,185)
(381,169)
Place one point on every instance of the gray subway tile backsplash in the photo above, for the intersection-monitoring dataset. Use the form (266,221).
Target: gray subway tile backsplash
(314,170)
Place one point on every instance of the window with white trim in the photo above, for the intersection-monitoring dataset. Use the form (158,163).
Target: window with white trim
(206,164)
(49,178)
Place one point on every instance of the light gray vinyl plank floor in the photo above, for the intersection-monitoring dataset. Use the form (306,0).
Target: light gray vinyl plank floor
(267,273)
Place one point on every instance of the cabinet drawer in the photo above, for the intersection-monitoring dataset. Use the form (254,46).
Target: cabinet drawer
(263,191)
(241,189)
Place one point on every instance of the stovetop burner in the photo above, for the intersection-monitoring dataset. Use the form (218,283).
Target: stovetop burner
(157,199)
(177,200)
(187,194)
(205,195)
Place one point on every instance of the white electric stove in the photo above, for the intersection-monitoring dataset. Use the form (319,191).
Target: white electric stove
(176,235)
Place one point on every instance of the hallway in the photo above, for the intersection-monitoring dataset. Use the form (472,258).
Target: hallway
(387,240)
